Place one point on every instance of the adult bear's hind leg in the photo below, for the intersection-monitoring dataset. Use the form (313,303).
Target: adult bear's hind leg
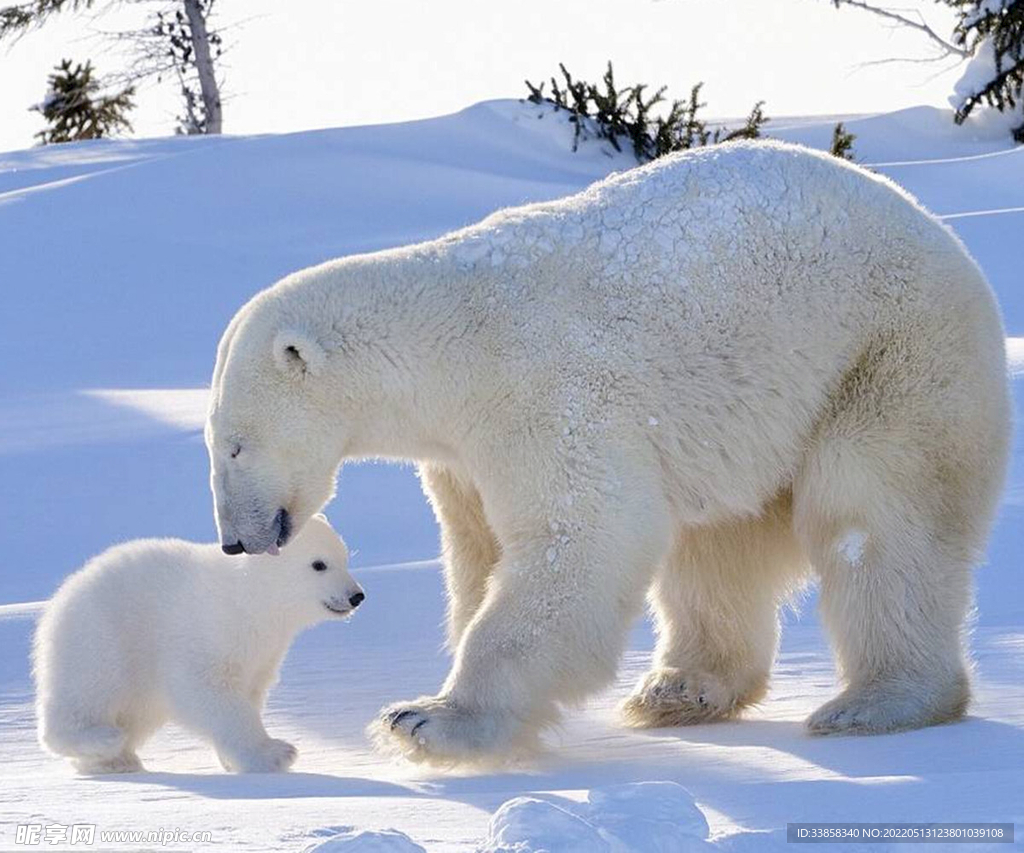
(894,503)
(99,748)
(716,602)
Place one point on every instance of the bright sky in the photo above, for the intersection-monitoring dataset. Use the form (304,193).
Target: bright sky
(321,63)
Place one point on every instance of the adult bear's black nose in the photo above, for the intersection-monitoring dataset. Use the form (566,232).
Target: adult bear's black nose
(357,599)
(237,548)
(283,523)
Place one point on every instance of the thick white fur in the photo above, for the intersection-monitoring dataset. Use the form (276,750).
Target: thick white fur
(696,379)
(160,629)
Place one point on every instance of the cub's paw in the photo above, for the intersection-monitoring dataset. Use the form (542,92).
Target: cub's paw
(433,730)
(889,707)
(272,756)
(671,697)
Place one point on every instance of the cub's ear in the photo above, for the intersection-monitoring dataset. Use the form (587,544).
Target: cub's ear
(320,515)
(296,353)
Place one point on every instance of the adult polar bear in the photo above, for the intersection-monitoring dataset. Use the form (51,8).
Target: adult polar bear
(692,379)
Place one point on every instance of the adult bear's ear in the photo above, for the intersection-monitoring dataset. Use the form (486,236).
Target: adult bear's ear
(296,353)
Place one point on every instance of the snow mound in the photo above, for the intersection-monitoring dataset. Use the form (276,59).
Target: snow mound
(638,817)
(773,842)
(529,825)
(660,817)
(367,841)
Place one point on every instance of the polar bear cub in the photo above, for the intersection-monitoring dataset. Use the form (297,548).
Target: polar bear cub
(160,630)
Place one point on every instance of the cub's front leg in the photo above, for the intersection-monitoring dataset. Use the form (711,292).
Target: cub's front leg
(231,722)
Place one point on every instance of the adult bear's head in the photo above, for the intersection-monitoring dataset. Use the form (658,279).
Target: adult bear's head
(273,435)
(342,360)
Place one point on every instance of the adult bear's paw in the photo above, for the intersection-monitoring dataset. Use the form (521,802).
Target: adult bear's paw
(672,697)
(272,756)
(125,762)
(434,730)
(891,706)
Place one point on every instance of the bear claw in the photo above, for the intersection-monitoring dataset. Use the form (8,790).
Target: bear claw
(663,698)
(456,735)
(889,707)
(395,718)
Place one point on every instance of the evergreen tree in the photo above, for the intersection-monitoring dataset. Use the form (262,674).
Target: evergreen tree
(75,109)
(176,40)
(842,143)
(990,35)
(625,115)
(994,32)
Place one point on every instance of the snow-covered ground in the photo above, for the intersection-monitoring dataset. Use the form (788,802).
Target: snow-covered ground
(120,264)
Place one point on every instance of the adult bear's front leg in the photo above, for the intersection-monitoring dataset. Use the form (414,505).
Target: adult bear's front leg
(468,547)
(572,575)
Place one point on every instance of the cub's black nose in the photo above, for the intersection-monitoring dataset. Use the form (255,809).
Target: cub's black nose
(357,599)
(233,549)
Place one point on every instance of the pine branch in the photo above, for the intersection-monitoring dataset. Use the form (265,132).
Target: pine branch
(997,32)
(948,47)
(17,19)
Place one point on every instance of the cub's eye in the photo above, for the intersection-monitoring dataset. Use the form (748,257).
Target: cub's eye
(237,449)
(319,566)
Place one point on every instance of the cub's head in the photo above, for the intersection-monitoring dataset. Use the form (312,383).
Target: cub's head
(274,444)
(314,577)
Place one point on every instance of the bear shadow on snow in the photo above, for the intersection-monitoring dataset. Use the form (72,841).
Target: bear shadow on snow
(265,786)
(854,771)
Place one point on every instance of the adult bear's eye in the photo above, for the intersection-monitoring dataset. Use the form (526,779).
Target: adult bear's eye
(236,451)
(319,566)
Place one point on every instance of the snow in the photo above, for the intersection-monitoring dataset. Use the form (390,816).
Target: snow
(121,264)
(851,546)
(647,815)
(529,825)
(367,841)
(979,72)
